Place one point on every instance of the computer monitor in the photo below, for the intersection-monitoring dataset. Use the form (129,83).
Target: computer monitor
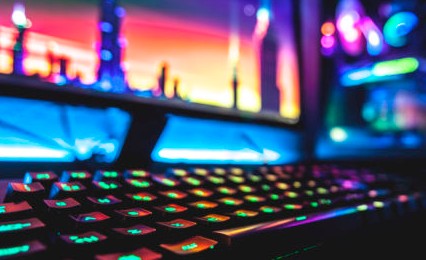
(373,79)
(149,68)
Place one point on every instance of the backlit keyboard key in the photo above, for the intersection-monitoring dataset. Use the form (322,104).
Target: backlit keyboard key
(177,224)
(174,194)
(216,180)
(254,198)
(243,213)
(86,238)
(104,201)
(45,178)
(172,209)
(67,189)
(62,206)
(236,179)
(95,217)
(19,191)
(246,188)
(203,204)
(192,181)
(141,197)
(213,219)
(191,246)
(102,175)
(133,214)
(269,209)
(219,171)
(201,192)
(8,210)
(106,186)
(199,171)
(228,201)
(22,250)
(135,174)
(84,177)
(226,190)
(177,172)
(169,182)
(138,184)
(20,226)
(139,254)
(135,231)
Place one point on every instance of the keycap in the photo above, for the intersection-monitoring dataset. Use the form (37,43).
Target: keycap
(45,178)
(201,192)
(133,214)
(246,188)
(86,238)
(211,219)
(192,181)
(236,179)
(30,192)
(90,219)
(15,210)
(83,177)
(228,201)
(219,171)
(106,186)
(176,172)
(243,213)
(107,201)
(226,190)
(174,194)
(177,224)
(102,175)
(136,174)
(192,246)
(199,171)
(23,226)
(216,180)
(165,181)
(64,206)
(203,204)
(138,184)
(135,231)
(171,208)
(254,198)
(141,197)
(269,209)
(67,189)
(139,254)
(23,250)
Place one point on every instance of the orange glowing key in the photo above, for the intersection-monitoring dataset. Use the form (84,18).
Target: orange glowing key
(191,246)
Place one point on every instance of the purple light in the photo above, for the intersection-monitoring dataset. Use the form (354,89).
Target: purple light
(327,41)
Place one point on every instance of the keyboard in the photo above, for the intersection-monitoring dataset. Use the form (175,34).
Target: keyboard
(272,212)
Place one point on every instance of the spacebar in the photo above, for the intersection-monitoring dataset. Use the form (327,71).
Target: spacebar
(314,227)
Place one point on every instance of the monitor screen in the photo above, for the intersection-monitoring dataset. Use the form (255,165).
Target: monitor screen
(374,78)
(238,55)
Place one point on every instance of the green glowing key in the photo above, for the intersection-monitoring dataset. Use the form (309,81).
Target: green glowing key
(129,257)
(42,176)
(189,246)
(61,203)
(10,251)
